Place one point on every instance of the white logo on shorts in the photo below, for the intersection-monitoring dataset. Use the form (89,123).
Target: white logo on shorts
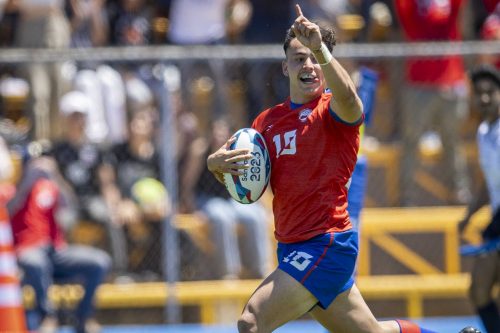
(299,260)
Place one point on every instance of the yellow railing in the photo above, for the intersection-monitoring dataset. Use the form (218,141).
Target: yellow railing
(379,226)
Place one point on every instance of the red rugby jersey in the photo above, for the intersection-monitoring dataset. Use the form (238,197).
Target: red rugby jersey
(312,159)
(34,224)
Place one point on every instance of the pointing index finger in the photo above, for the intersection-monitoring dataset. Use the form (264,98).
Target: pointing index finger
(298,10)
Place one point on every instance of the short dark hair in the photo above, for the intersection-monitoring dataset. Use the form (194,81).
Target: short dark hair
(485,72)
(328,36)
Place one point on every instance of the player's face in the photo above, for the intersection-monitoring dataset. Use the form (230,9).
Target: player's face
(304,73)
(487,98)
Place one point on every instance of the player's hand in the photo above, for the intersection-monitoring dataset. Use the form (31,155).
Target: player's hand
(307,32)
(228,161)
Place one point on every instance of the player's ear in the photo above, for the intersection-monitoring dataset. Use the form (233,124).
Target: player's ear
(284,68)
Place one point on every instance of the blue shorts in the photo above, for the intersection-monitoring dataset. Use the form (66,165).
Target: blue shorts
(324,265)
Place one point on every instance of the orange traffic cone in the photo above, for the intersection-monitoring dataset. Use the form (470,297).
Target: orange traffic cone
(12,317)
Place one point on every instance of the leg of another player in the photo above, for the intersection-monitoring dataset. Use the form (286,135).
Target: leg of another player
(278,300)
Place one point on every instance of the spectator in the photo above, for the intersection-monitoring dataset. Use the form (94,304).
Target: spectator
(89,25)
(218,24)
(9,14)
(486,271)
(490,30)
(112,90)
(438,84)
(81,164)
(239,232)
(42,252)
(259,29)
(378,17)
(130,23)
(43,24)
(265,86)
(142,203)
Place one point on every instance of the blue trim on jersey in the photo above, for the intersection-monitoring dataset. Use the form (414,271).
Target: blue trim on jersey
(324,264)
(294,106)
(340,120)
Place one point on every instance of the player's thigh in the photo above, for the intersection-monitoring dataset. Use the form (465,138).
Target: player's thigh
(278,300)
(349,313)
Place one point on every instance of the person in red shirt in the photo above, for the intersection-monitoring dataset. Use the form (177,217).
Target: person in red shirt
(313,140)
(490,30)
(434,96)
(43,254)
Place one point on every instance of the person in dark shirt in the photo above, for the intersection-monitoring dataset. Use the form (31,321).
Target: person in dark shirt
(143,200)
(130,22)
(81,164)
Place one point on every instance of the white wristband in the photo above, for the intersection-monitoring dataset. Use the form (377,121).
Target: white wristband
(326,54)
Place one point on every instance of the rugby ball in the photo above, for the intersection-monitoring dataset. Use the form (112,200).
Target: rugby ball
(250,186)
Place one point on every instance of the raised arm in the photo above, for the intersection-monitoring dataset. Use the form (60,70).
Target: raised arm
(345,102)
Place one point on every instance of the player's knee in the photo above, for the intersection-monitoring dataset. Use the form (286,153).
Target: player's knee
(247,323)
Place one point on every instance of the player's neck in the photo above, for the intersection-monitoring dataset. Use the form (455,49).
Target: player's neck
(302,99)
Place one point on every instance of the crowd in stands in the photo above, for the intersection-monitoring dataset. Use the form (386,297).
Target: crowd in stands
(86,134)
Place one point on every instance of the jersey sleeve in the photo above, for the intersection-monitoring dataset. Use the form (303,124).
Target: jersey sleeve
(329,115)
(337,119)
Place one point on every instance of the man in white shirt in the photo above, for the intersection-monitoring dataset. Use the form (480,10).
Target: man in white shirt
(486,271)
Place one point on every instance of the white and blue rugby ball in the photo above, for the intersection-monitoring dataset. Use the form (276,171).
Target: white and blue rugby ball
(250,186)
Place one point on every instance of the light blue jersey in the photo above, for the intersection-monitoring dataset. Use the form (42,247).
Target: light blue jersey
(488,139)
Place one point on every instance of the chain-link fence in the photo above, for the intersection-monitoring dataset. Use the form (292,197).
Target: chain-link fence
(419,142)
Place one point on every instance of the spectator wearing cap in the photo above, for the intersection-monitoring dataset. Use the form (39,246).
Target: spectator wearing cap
(81,164)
